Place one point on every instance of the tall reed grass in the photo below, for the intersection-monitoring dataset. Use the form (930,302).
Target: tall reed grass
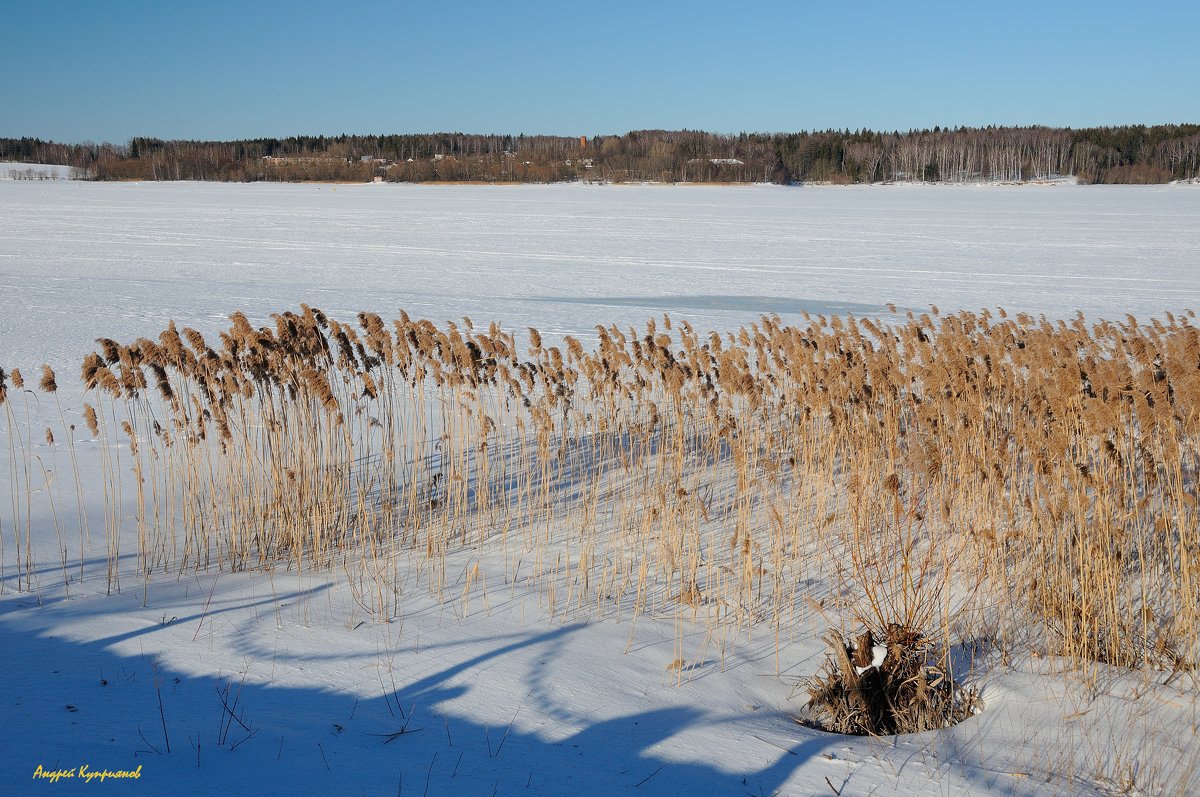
(969,473)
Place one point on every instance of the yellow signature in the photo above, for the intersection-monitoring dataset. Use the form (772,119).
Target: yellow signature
(85,773)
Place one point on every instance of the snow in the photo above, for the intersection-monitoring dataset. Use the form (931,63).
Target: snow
(487,688)
(34,171)
(878,654)
(79,260)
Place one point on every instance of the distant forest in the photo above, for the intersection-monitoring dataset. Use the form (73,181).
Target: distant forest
(1127,154)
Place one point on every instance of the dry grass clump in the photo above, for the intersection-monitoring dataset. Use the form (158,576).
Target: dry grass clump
(874,690)
(1049,466)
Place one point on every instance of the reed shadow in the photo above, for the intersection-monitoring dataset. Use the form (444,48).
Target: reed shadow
(69,703)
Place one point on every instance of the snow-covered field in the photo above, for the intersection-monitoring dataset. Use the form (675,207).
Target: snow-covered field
(34,171)
(79,260)
(277,682)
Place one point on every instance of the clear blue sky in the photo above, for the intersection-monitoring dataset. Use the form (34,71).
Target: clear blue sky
(106,71)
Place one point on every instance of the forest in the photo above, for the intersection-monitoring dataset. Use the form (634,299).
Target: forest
(1123,154)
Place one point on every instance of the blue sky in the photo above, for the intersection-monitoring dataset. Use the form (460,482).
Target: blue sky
(76,71)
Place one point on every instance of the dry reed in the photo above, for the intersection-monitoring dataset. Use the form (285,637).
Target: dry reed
(952,469)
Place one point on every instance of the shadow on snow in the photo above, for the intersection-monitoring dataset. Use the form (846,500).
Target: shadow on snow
(68,703)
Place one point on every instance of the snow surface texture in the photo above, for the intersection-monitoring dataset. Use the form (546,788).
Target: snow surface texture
(277,683)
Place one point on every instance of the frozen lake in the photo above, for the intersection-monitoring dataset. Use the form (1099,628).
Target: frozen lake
(80,260)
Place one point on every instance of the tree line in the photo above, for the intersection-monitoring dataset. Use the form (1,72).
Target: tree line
(1123,154)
